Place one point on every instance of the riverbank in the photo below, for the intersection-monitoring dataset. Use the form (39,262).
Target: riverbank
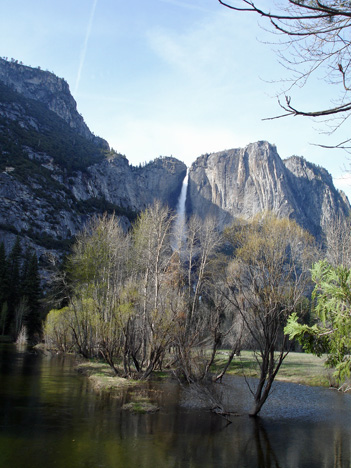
(51,418)
(300,368)
(102,377)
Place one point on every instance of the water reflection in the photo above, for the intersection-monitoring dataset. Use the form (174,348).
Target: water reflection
(266,457)
(50,417)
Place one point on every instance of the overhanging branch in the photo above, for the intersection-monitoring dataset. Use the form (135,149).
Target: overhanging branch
(322,11)
(292,111)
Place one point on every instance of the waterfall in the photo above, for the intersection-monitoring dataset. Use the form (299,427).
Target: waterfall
(182,199)
(179,231)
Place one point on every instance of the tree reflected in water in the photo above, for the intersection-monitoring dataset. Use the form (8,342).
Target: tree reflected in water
(50,417)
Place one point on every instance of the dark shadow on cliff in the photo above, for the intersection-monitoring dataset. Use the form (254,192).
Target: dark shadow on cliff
(310,195)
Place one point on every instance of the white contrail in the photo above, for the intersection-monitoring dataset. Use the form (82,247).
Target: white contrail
(85,45)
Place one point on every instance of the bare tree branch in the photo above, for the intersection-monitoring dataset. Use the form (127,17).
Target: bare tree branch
(316,40)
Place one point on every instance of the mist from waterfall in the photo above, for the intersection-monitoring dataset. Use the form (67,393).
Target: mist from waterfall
(179,230)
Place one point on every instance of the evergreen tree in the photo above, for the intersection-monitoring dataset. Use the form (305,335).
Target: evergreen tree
(3,289)
(331,333)
(20,291)
(32,292)
(3,318)
(25,267)
(14,281)
(3,275)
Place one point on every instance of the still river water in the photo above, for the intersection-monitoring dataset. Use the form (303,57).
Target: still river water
(50,417)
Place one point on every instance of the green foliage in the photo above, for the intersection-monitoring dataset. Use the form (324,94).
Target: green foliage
(31,290)
(132,298)
(57,331)
(20,291)
(95,268)
(312,338)
(121,306)
(268,279)
(270,263)
(14,275)
(332,332)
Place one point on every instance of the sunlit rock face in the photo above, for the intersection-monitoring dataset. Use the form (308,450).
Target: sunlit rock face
(245,181)
(55,174)
(129,187)
(47,88)
(49,208)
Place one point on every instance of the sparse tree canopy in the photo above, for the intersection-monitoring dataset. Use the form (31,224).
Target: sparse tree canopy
(338,240)
(137,303)
(267,280)
(315,39)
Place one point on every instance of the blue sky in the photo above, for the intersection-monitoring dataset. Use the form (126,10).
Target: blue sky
(169,77)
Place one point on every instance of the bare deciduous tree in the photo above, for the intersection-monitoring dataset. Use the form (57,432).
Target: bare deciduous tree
(205,322)
(97,270)
(266,280)
(338,241)
(315,40)
(152,256)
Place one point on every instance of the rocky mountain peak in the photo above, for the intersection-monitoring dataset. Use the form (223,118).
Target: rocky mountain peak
(55,174)
(245,181)
(300,167)
(47,88)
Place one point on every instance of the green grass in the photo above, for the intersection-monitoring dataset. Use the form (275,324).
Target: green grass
(298,368)
(140,407)
(141,403)
(102,377)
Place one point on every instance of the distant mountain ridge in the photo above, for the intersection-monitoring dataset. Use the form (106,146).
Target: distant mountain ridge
(55,174)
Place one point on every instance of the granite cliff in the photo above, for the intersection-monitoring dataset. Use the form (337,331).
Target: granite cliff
(245,181)
(47,88)
(55,174)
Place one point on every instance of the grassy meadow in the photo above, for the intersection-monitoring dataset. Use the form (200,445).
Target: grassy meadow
(300,368)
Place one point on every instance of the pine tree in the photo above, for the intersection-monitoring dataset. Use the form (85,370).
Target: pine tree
(32,292)
(14,281)
(3,276)
(3,289)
